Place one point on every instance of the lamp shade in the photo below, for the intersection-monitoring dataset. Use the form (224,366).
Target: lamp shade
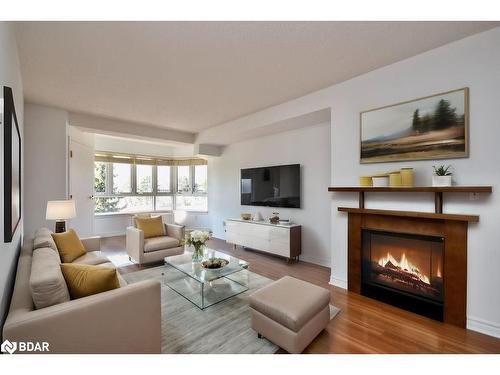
(60,210)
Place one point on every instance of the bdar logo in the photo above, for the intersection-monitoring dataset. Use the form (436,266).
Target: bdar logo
(9,347)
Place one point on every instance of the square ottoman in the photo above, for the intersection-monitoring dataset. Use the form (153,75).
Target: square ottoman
(290,312)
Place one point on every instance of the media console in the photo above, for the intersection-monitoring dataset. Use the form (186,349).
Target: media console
(278,239)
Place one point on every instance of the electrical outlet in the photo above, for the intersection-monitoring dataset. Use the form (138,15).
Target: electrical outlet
(473,196)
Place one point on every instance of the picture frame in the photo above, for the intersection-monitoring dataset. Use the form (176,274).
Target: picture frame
(430,127)
(12,165)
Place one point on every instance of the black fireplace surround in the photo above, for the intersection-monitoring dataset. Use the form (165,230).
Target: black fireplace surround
(404,270)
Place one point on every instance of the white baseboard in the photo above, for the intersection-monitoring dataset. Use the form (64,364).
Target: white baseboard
(483,326)
(338,282)
(319,262)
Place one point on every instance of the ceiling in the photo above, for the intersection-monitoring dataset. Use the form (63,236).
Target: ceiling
(194,75)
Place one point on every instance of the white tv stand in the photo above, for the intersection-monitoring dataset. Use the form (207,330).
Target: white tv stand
(279,239)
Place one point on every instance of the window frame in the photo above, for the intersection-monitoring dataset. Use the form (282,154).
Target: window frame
(155,193)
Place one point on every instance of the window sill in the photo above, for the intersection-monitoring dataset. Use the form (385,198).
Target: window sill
(112,214)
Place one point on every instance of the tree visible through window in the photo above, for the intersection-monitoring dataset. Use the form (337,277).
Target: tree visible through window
(129,187)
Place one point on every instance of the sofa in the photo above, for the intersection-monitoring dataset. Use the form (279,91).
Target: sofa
(122,320)
(148,250)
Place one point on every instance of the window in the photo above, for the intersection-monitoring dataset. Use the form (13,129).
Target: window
(144,179)
(200,179)
(100,172)
(139,185)
(163,177)
(183,179)
(122,178)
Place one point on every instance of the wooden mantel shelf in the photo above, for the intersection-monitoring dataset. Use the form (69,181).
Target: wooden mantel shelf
(437,190)
(421,215)
(413,189)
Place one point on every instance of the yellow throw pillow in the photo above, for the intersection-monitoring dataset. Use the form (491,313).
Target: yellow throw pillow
(85,280)
(69,245)
(152,227)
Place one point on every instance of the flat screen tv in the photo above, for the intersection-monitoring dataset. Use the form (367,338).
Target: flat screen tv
(277,186)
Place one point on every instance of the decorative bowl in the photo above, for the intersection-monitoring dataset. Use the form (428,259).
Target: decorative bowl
(214,263)
(245,216)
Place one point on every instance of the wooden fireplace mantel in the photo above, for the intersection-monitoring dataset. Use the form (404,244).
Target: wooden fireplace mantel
(452,228)
(415,214)
(437,190)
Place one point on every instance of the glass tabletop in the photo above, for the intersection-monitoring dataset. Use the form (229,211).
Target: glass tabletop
(185,264)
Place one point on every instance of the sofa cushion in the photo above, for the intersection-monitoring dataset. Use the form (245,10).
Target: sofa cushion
(159,243)
(43,238)
(152,227)
(85,280)
(69,245)
(47,283)
(91,258)
(290,302)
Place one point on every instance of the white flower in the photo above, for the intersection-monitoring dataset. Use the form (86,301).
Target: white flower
(200,236)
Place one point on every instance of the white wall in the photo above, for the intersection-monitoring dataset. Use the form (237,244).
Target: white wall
(45,162)
(10,75)
(472,62)
(310,147)
(133,146)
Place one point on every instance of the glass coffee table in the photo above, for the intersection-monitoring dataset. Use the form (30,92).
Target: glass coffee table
(206,287)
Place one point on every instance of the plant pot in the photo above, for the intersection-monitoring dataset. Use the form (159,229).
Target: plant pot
(441,180)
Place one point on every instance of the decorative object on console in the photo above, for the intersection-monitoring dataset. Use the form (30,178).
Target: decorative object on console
(197,239)
(432,127)
(442,176)
(245,216)
(60,211)
(275,219)
(12,165)
(257,216)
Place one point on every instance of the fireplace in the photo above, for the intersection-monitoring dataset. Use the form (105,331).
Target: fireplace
(405,270)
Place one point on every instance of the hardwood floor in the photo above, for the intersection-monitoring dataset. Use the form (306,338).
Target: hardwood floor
(363,325)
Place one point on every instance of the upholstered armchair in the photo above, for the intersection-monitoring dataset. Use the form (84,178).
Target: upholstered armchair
(147,250)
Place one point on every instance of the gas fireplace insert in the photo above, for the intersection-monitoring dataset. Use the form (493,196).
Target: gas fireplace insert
(405,270)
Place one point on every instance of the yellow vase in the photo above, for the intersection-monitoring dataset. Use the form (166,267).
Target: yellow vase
(407,177)
(365,181)
(395,179)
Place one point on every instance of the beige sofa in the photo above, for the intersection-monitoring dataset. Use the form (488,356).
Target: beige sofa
(154,249)
(123,320)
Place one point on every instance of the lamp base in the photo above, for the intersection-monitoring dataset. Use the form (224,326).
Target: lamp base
(60,226)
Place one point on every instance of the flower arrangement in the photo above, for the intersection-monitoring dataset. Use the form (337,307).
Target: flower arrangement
(197,239)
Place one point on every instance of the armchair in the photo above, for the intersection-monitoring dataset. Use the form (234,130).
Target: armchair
(147,250)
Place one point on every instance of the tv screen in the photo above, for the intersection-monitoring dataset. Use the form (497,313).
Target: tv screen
(277,186)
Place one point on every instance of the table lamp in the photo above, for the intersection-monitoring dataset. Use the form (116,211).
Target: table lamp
(60,211)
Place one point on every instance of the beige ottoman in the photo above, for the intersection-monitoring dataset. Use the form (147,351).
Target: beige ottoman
(290,312)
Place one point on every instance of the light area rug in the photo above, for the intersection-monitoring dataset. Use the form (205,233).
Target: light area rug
(223,328)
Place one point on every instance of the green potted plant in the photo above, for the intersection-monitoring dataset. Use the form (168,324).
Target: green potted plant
(442,175)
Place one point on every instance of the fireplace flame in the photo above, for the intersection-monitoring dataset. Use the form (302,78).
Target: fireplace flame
(403,264)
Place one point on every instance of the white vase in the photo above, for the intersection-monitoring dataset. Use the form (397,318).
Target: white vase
(441,180)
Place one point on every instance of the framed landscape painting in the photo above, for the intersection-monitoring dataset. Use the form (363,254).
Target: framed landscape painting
(433,127)
(12,165)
